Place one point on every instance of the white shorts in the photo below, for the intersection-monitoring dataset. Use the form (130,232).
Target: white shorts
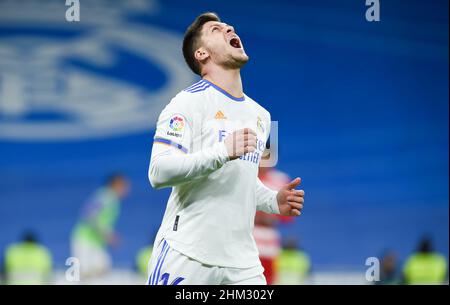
(94,260)
(167,266)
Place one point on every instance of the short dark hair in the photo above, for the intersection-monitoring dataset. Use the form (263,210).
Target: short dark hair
(192,39)
(29,237)
(425,245)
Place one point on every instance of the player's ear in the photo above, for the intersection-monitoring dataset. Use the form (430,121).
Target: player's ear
(201,54)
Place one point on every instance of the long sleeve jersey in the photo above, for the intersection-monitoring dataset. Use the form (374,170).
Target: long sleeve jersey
(210,212)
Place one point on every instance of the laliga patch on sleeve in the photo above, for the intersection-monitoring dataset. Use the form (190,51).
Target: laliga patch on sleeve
(177,125)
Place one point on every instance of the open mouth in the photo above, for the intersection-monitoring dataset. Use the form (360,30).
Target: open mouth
(235,43)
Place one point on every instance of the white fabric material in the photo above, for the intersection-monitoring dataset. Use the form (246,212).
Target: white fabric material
(267,199)
(213,198)
(94,260)
(170,267)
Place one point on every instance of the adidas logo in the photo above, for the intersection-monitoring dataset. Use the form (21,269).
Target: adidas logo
(220,116)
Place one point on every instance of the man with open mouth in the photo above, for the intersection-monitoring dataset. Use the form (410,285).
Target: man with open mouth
(208,145)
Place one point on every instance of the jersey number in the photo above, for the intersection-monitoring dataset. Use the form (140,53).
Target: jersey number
(165,279)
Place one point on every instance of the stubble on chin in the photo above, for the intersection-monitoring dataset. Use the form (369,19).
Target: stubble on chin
(235,62)
(230,61)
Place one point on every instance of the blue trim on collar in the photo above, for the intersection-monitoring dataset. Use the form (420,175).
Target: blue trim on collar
(194,85)
(237,99)
(200,89)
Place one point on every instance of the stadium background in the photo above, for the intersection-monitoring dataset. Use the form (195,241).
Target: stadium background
(362,110)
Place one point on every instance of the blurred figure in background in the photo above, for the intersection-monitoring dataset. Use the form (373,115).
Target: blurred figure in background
(425,266)
(388,272)
(268,242)
(95,231)
(292,265)
(27,262)
(142,259)
(265,232)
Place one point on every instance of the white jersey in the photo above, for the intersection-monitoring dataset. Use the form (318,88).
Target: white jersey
(210,212)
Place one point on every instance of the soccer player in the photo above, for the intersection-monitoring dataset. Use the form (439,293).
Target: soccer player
(95,231)
(208,144)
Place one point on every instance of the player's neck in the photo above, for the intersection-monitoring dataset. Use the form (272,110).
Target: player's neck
(229,80)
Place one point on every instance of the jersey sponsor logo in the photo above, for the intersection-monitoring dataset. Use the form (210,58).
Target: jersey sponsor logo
(222,135)
(254,157)
(220,116)
(174,134)
(176,124)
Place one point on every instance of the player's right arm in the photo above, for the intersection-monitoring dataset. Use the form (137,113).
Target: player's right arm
(173,163)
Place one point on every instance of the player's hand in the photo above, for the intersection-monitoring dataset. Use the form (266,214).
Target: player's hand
(290,200)
(240,142)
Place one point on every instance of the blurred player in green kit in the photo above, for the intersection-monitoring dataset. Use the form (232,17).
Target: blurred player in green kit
(95,231)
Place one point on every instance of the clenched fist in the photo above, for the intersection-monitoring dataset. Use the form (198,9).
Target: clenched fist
(240,142)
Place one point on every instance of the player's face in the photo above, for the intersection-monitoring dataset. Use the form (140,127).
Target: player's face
(223,45)
(122,187)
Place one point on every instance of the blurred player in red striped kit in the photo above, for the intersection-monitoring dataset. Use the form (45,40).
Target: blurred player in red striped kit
(265,232)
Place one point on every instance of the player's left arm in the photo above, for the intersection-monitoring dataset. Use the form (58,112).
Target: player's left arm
(287,201)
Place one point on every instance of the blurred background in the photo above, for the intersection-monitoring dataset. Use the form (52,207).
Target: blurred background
(362,111)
